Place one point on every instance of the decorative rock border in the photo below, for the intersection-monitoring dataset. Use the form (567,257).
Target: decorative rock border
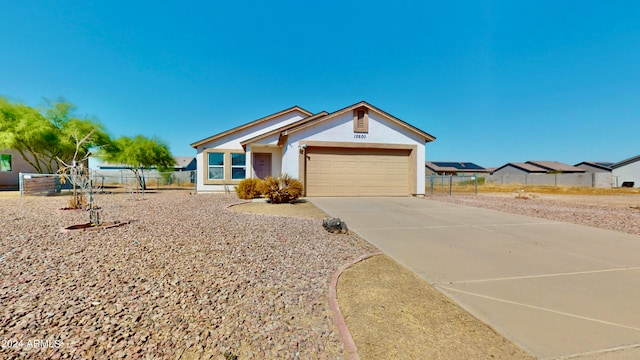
(347,340)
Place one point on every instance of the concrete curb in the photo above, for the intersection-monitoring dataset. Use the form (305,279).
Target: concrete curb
(338,319)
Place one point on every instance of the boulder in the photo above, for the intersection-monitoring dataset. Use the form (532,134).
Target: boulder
(335,225)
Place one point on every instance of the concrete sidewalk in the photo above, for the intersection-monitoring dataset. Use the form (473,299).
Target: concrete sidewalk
(558,290)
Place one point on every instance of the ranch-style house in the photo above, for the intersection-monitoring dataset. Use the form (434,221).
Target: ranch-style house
(359,150)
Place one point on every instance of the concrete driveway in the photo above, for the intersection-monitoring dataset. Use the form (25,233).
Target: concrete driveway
(558,290)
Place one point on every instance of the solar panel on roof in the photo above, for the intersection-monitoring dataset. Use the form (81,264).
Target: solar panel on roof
(459,165)
(607,164)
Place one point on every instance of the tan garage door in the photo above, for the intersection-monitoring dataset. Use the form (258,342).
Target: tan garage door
(357,172)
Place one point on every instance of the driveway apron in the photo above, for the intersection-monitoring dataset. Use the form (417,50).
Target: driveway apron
(558,290)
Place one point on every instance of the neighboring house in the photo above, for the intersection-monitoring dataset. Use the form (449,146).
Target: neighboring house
(11,165)
(184,169)
(627,172)
(181,163)
(595,166)
(184,163)
(556,167)
(453,168)
(359,150)
(537,167)
(518,168)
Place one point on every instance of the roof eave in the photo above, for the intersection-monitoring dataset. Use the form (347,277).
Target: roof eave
(250,124)
(282,130)
(625,162)
(428,137)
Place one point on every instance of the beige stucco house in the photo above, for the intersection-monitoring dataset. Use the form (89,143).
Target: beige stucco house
(359,150)
(11,165)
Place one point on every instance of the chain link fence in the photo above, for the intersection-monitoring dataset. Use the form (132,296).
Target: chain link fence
(53,184)
(450,184)
(152,179)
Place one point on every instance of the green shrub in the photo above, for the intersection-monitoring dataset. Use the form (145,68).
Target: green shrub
(248,189)
(281,189)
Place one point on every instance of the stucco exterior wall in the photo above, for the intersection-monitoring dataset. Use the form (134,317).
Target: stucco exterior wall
(592,169)
(629,172)
(10,180)
(598,180)
(232,141)
(340,129)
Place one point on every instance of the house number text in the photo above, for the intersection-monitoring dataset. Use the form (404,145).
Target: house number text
(359,136)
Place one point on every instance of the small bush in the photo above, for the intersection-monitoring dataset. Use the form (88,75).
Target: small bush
(281,189)
(248,189)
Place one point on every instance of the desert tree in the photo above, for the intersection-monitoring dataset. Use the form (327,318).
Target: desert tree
(138,153)
(26,130)
(81,137)
(43,138)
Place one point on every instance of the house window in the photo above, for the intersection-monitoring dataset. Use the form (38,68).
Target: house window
(5,162)
(361,120)
(238,166)
(216,165)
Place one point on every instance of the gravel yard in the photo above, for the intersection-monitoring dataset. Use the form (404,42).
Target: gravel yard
(613,212)
(187,278)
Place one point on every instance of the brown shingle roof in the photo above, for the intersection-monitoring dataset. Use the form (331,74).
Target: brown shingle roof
(556,166)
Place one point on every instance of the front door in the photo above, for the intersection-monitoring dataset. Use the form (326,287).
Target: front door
(262,165)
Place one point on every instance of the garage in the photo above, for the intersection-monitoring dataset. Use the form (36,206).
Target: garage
(358,150)
(357,172)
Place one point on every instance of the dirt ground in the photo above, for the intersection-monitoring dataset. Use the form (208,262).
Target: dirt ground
(9,194)
(393,314)
(300,208)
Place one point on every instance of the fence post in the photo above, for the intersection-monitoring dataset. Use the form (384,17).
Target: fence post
(193,177)
(450,184)
(20,182)
(476,177)
(431,184)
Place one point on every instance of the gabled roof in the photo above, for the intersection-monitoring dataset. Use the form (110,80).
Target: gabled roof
(625,162)
(444,166)
(604,165)
(555,166)
(248,125)
(348,109)
(183,161)
(530,168)
(283,129)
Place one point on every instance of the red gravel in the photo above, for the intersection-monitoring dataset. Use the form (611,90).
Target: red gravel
(186,279)
(619,212)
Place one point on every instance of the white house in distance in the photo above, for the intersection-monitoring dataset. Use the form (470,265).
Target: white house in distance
(627,172)
(356,151)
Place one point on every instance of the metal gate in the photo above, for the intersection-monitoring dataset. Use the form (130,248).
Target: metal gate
(450,184)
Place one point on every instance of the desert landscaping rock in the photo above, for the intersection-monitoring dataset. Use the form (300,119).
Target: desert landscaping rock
(335,226)
(612,212)
(185,279)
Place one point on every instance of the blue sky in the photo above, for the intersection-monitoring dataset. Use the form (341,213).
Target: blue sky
(494,81)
